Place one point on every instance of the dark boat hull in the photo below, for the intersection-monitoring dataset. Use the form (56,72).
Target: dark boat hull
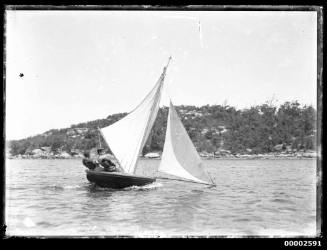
(116,180)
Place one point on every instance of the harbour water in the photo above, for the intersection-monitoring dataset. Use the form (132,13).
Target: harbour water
(252,197)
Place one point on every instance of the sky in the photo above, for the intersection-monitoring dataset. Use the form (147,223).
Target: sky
(80,66)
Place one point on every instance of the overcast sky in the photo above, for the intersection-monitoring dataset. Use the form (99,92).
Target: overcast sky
(84,65)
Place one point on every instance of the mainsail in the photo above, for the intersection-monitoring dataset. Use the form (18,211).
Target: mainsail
(179,157)
(127,136)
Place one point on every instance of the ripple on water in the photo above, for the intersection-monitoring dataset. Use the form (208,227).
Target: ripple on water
(196,191)
(288,208)
(54,188)
(252,202)
(45,224)
(16,188)
(283,201)
(268,208)
(241,220)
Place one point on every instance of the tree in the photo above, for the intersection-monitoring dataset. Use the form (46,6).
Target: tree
(57,143)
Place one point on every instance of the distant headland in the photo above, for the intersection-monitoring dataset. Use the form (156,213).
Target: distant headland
(217,131)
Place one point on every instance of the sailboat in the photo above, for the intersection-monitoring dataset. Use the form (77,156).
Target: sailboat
(127,137)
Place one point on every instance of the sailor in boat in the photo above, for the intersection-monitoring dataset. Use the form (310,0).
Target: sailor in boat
(101,162)
(107,161)
(88,162)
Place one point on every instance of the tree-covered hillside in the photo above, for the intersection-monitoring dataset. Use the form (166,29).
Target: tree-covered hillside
(259,129)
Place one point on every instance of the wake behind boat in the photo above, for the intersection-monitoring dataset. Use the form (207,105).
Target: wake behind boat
(127,137)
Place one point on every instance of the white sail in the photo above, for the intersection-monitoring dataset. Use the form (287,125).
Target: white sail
(127,136)
(179,157)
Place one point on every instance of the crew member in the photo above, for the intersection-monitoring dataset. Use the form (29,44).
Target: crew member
(88,162)
(105,161)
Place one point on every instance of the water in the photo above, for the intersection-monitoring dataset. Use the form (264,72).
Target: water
(253,197)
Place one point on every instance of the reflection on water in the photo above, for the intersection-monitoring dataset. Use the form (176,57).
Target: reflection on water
(252,197)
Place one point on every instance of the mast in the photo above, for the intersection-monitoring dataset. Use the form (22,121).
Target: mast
(99,136)
(153,106)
